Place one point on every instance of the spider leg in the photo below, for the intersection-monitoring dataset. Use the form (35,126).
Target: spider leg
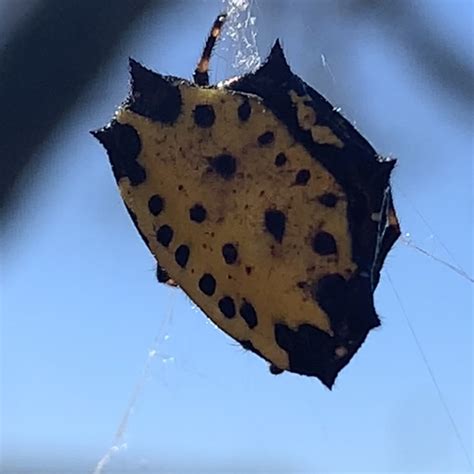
(201,73)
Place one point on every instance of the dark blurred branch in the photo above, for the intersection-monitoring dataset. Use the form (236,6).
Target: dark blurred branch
(45,66)
(439,60)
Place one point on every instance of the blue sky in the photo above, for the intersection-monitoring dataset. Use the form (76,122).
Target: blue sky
(81,308)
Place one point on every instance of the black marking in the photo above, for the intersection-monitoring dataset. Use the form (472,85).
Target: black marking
(204,116)
(302,177)
(161,274)
(328,199)
(164,235)
(123,146)
(224,165)
(275,222)
(310,352)
(330,293)
(227,306)
(349,307)
(348,303)
(153,95)
(244,110)
(266,138)
(182,255)
(280,159)
(156,204)
(275,370)
(324,243)
(198,213)
(247,311)
(207,284)
(230,254)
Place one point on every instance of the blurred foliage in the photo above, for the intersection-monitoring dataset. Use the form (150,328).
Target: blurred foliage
(404,21)
(46,63)
(50,59)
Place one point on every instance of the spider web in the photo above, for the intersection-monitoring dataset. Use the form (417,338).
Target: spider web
(119,443)
(239,36)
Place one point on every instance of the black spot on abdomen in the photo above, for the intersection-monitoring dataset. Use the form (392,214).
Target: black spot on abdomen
(244,111)
(207,284)
(123,146)
(248,313)
(227,306)
(302,177)
(275,223)
(155,204)
(182,255)
(164,235)
(280,159)
(230,254)
(198,213)
(266,138)
(204,116)
(324,243)
(224,165)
